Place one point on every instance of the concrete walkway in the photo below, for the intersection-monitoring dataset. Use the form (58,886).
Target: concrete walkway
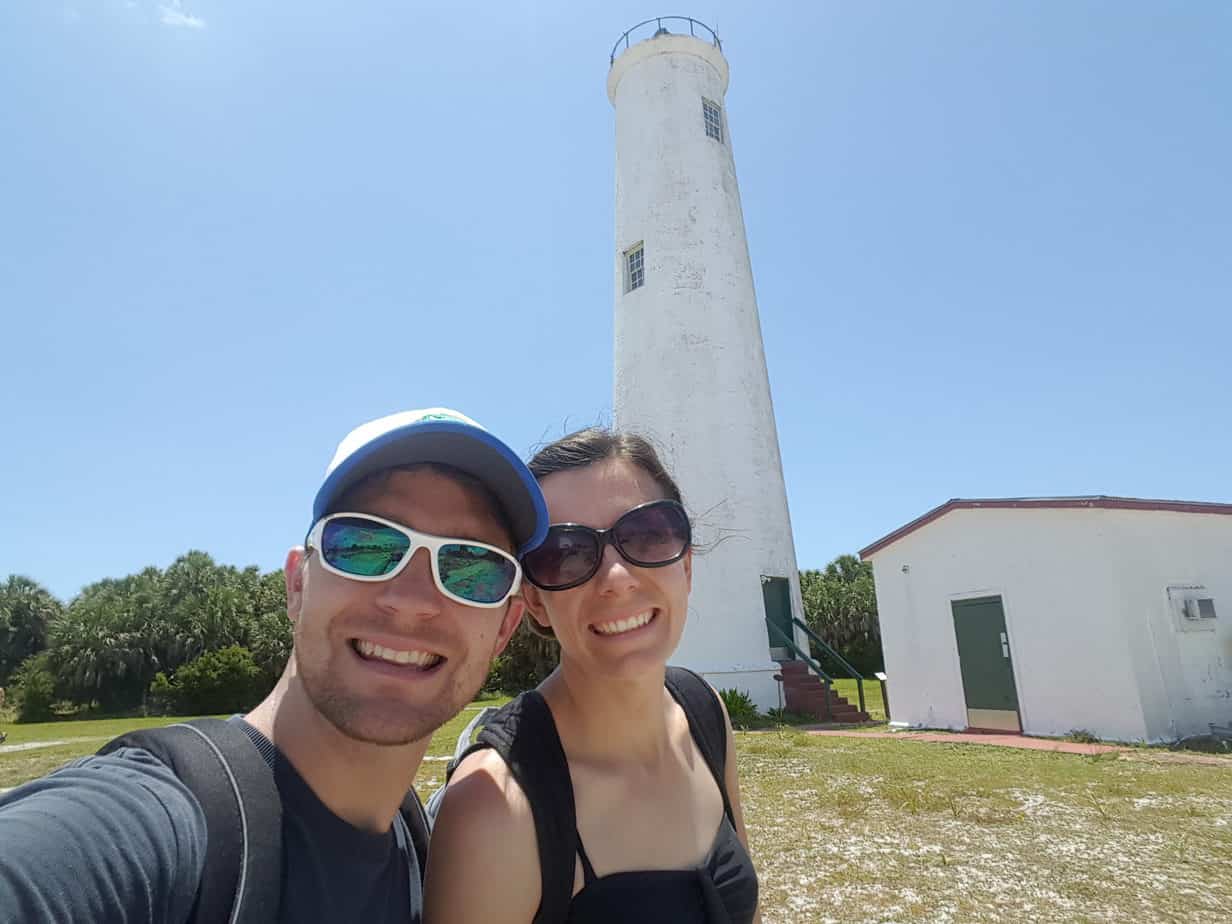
(35,745)
(1005,741)
(30,746)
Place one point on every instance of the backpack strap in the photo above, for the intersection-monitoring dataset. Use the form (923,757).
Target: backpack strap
(420,827)
(701,707)
(524,735)
(241,882)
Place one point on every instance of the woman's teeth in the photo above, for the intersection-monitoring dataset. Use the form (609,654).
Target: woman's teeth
(625,625)
(374,652)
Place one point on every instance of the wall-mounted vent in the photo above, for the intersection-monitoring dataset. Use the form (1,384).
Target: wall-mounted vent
(1192,606)
(1200,608)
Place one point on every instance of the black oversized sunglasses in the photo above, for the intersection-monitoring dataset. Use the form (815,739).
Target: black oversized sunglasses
(650,536)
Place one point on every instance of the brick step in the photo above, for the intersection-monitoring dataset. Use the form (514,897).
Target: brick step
(817,694)
(819,709)
(788,668)
(805,684)
(847,716)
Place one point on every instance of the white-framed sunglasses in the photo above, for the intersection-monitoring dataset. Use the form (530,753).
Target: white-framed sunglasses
(363,547)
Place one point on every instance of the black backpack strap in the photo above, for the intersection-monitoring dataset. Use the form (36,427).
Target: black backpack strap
(524,735)
(417,821)
(242,879)
(701,707)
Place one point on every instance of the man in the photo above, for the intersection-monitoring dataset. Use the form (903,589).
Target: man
(404,591)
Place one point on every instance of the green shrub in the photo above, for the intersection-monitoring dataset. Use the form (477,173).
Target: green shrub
(524,664)
(1081,736)
(785,717)
(34,689)
(740,708)
(163,695)
(226,680)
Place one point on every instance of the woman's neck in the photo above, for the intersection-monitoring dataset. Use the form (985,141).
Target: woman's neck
(613,718)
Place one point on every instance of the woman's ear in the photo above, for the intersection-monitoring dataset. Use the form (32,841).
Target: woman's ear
(534,605)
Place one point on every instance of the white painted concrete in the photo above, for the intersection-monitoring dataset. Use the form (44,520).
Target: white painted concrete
(1094,642)
(690,371)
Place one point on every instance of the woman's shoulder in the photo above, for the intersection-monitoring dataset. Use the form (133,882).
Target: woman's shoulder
(484,787)
(485,783)
(484,861)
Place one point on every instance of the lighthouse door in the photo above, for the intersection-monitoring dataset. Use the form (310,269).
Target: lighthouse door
(776,593)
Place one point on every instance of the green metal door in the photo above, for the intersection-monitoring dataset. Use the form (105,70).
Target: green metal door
(776,594)
(987,669)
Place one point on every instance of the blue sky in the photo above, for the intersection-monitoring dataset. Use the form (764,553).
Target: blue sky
(992,245)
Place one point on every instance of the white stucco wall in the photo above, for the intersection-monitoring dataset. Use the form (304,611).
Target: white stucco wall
(1092,643)
(690,372)
(1184,669)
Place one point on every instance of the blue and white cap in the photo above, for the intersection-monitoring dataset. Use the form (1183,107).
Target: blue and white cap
(447,437)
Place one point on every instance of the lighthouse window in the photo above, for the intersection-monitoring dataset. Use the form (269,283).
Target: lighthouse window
(713,116)
(635,268)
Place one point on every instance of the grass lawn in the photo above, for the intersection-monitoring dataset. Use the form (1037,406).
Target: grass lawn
(75,739)
(852,829)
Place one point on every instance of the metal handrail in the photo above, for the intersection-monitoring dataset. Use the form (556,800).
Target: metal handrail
(808,660)
(694,24)
(825,646)
(851,671)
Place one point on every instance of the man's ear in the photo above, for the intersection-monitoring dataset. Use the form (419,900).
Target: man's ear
(293,572)
(509,625)
(688,570)
(534,605)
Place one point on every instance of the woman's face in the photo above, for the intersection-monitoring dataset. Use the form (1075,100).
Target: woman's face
(625,617)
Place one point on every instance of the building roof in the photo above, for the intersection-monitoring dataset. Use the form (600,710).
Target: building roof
(1102,501)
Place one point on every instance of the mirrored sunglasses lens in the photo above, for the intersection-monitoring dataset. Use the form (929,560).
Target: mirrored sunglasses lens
(362,547)
(474,573)
(653,535)
(566,556)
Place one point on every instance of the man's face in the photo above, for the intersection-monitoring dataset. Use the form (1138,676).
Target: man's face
(390,662)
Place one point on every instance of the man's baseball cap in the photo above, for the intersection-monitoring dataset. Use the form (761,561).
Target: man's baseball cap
(449,438)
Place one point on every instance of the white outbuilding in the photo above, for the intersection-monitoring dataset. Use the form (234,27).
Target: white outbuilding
(1110,615)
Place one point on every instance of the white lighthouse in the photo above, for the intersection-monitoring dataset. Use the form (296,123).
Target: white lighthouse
(690,370)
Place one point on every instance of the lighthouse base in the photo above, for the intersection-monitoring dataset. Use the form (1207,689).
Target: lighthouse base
(758,683)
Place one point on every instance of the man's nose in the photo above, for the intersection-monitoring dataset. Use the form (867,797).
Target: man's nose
(413,592)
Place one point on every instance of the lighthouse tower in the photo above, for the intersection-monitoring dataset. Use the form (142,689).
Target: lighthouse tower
(690,370)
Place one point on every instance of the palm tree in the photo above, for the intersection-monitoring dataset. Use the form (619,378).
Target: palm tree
(27,609)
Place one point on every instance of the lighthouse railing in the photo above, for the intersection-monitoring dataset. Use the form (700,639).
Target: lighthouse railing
(697,29)
(813,665)
(838,658)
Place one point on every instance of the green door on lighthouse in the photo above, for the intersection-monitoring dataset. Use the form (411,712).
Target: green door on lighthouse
(776,594)
(987,669)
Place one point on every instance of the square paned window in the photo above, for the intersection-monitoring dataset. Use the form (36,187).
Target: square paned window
(712,113)
(635,268)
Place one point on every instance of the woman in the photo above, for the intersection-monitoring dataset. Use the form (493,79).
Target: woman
(610,792)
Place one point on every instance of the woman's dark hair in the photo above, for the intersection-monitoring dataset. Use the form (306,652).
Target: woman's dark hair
(598,444)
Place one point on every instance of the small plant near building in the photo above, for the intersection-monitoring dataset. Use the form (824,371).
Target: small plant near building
(1081,736)
(740,708)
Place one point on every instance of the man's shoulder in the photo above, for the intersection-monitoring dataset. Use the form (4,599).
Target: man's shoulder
(120,773)
(114,837)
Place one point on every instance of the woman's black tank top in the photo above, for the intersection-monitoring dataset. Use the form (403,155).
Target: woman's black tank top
(722,889)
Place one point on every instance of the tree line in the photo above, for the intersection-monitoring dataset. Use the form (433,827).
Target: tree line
(126,644)
(203,637)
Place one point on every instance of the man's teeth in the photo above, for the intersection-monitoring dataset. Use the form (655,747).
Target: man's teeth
(380,653)
(625,625)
